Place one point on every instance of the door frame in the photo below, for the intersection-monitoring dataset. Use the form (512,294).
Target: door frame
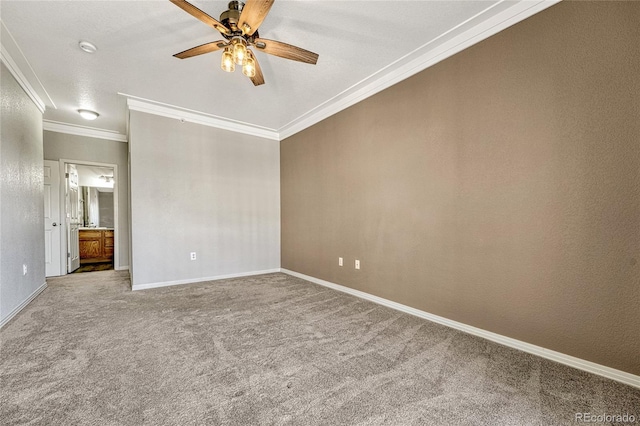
(58,225)
(116,222)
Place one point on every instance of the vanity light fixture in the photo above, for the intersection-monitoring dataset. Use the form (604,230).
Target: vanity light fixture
(87,47)
(88,114)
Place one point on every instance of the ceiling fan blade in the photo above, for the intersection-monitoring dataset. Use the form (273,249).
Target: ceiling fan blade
(202,49)
(284,50)
(258,79)
(253,13)
(199,14)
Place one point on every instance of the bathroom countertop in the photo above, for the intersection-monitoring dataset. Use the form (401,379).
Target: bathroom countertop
(84,228)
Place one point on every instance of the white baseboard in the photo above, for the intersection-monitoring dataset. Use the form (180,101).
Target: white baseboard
(571,361)
(23,305)
(122,268)
(203,279)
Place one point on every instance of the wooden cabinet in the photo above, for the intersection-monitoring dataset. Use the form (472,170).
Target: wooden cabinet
(96,245)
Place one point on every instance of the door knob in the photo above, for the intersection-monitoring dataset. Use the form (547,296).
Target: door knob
(54,224)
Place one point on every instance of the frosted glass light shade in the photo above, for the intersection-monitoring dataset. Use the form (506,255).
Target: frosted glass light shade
(88,114)
(239,51)
(228,63)
(249,66)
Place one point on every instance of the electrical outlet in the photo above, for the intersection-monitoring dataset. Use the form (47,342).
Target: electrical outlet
(357,264)
(340,261)
(24,269)
(193,255)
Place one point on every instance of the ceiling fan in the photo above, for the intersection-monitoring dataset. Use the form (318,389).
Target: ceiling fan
(239,26)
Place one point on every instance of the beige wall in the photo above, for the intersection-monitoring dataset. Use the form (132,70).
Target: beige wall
(21,197)
(83,148)
(499,188)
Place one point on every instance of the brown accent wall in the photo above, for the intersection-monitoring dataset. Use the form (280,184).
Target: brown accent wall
(499,188)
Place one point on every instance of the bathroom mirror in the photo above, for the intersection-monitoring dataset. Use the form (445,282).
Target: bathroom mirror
(97,207)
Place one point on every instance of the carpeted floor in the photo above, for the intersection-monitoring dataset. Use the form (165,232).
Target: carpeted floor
(270,349)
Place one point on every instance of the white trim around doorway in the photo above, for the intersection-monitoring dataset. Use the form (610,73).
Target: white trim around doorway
(116,220)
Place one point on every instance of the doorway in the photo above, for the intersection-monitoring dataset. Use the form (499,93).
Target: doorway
(95,220)
(89,208)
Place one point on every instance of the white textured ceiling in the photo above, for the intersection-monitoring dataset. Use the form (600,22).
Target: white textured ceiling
(136,41)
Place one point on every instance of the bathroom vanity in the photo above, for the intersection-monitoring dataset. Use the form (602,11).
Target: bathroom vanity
(96,245)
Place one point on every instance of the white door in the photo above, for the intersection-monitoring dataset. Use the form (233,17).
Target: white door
(73,217)
(52,252)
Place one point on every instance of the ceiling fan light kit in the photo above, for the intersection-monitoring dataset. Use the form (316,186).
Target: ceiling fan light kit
(239,49)
(239,26)
(228,63)
(249,65)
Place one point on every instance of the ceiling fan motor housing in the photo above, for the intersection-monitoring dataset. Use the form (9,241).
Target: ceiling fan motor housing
(231,17)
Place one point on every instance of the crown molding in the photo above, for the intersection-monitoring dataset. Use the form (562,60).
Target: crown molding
(480,27)
(20,78)
(171,111)
(483,25)
(20,69)
(76,129)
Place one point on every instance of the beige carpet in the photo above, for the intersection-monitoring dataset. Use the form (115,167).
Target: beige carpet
(269,349)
